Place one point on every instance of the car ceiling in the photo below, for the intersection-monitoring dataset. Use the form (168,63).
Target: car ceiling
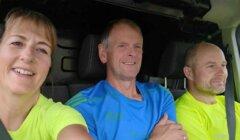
(164,7)
(224,12)
(89,16)
(211,10)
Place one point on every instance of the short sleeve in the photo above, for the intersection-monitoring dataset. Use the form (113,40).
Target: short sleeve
(60,116)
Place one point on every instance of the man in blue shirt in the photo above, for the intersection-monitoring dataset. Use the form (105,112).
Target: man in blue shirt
(121,108)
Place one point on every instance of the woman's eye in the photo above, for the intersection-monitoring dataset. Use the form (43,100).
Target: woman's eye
(41,50)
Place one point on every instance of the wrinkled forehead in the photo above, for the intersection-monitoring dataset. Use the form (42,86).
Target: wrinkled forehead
(210,53)
(122,29)
(36,26)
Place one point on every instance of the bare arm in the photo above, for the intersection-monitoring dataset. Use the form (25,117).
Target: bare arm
(74,132)
(168,130)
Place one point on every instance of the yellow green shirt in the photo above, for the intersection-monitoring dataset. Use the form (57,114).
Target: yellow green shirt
(204,121)
(46,120)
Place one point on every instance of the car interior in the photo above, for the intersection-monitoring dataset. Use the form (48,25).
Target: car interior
(169,27)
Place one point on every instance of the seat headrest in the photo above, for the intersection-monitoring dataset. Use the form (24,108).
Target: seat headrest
(89,64)
(63,69)
(172,60)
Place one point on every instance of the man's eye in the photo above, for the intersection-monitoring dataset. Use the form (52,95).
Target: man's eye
(210,66)
(121,45)
(16,44)
(138,47)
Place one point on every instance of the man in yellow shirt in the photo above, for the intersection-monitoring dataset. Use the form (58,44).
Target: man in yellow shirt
(201,110)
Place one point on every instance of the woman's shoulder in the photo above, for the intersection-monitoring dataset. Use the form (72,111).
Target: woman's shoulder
(50,109)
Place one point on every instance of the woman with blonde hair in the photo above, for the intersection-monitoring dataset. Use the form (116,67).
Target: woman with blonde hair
(27,41)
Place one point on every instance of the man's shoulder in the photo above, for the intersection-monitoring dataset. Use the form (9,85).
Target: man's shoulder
(184,100)
(153,89)
(86,95)
(92,90)
(149,85)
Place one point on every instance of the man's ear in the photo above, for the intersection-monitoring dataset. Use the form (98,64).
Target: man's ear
(188,72)
(102,53)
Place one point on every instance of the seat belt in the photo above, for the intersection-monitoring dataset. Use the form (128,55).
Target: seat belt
(229,99)
(3,132)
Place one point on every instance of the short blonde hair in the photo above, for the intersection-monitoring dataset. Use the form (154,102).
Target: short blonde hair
(37,18)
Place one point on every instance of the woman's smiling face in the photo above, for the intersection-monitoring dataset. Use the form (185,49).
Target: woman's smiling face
(25,57)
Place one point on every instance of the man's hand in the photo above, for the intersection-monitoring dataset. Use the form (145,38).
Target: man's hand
(168,130)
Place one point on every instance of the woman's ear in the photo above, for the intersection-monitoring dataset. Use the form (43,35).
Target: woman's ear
(102,53)
(188,72)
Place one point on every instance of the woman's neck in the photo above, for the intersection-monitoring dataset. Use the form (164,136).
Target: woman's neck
(14,108)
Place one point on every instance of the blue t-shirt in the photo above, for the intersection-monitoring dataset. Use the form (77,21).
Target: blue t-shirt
(112,116)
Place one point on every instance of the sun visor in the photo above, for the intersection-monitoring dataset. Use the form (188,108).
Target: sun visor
(190,8)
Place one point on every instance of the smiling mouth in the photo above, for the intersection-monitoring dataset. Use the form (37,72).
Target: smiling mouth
(129,63)
(23,72)
(220,83)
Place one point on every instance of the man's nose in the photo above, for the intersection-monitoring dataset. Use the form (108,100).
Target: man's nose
(131,50)
(221,70)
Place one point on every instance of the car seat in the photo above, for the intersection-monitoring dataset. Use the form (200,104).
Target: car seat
(90,69)
(64,69)
(171,67)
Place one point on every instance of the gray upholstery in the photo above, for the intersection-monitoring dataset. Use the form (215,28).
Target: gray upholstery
(90,68)
(62,85)
(89,65)
(63,70)
(59,93)
(171,63)
(171,67)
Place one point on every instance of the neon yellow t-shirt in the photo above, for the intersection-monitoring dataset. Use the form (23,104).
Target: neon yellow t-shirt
(46,120)
(204,121)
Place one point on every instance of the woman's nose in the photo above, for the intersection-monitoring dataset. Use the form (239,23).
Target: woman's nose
(27,55)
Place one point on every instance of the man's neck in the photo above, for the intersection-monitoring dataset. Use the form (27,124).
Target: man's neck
(206,98)
(127,88)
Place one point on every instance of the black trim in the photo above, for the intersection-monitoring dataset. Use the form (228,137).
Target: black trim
(3,132)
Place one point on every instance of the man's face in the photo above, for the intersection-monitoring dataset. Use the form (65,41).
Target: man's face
(209,72)
(124,53)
